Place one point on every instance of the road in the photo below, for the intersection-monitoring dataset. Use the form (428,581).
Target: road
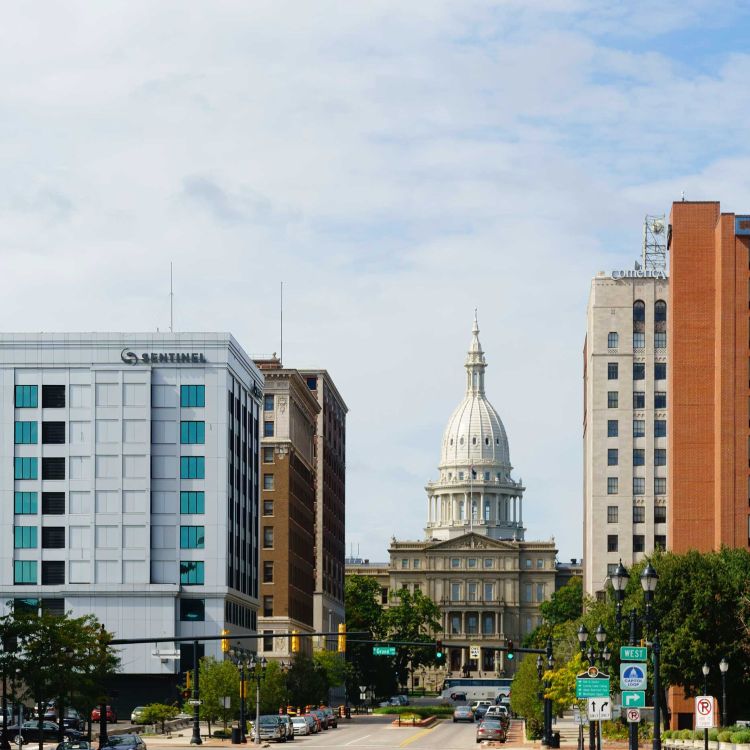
(376,733)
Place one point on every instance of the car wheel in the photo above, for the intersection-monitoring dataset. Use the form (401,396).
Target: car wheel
(18,740)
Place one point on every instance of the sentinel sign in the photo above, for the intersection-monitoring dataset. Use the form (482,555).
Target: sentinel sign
(157,358)
(640,273)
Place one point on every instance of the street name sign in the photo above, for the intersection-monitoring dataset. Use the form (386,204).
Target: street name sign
(705,714)
(383,650)
(633,653)
(592,684)
(600,709)
(473,652)
(195,702)
(634,715)
(633,699)
(632,676)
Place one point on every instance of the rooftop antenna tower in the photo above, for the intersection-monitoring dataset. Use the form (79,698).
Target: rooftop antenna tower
(655,243)
(171,300)
(281,323)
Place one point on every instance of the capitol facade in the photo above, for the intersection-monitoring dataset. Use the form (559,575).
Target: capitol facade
(474,561)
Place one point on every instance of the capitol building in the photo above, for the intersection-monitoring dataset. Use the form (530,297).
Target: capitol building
(474,561)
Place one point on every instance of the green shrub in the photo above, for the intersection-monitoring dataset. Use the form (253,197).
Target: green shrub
(686,734)
(713,735)
(421,711)
(614,730)
(725,736)
(222,735)
(741,737)
(666,734)
(534,729)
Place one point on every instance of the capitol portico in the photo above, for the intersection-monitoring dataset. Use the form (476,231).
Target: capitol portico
(475,562)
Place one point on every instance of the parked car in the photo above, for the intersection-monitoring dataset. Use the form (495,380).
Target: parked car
(124,742)
(74,745)
(480,708)
(29,732)
(135,715)
(458,696)
(321,717)
(315,720)
(301,725)
(331,716)
(111,715)
(463,713)
(286,721)
(500,713)
(491,730)
(269,728)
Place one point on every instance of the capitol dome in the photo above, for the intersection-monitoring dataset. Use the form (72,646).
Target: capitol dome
(475,435)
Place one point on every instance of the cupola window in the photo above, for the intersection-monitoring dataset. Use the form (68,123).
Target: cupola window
(486,441)
(473,441)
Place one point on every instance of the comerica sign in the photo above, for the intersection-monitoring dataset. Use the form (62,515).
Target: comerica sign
(153,358)
(640,273)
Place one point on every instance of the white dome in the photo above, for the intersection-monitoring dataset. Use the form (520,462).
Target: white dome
(475,435)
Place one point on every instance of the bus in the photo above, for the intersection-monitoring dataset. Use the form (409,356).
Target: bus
(478,688)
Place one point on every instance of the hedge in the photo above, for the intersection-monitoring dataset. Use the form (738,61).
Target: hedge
(422,711)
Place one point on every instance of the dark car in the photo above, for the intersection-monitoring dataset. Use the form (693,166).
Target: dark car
(458,696)
(71,720)
(74,745)
(124,742)
(463,713)
(29,732)
(480,711)
(491,730)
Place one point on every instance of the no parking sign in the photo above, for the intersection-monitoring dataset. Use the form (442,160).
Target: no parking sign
(705,712)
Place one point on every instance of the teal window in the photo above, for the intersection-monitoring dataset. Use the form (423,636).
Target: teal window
(24,537)
(192,467)
(27,396)
(26,503)
(192,432)
(192,537)
(24,571)
(191,573)
(192,502)
(25,468)
(193,395)
(26,433)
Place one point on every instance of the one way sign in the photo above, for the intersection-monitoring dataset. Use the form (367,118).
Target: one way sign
(600,709)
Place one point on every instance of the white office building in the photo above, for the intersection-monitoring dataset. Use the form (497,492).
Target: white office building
(131,488)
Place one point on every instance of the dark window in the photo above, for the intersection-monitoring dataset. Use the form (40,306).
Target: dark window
(26,606)
(660,541)
(612,399)
(639,400)
(268,537)
(660,456)
(639,315)
(268,455)
(612,543)
(53,468)
(267,606)
(639,340)
(54,607)
(312,383)
(612,370)
(267,429)
(612,457)
(383,595)
(660,428)
(639,428)
(268,402)
(660,311)
(639,371)
(268,507)
(268,571)
(53,537)
(660,513)
(660,485)
(613,340)
(660,340)
(192,610)
(639,543)
(612,485)
(53,433)
(660,371)
(53,396)
(612,428)
(53,503)
(612,513)
(639,457)
(639,485)
(639,514)
(268,640)
(660,399)
(53,572)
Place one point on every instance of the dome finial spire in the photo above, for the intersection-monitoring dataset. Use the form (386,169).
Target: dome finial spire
(475,327)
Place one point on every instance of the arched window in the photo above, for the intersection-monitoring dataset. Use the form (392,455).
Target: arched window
(474,441)
(613,340)
(639,316)
(660,315)
(486,441)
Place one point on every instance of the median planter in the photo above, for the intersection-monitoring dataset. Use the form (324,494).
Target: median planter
(414,721)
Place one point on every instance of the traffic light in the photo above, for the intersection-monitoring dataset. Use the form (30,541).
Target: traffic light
(188,680)
(342,638)
(439,653)
(511,655)
(185,694)
(225,642)
(295,642)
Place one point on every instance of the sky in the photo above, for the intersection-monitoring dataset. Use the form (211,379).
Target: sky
(396,165)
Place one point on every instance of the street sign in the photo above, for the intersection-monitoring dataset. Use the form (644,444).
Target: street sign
(592,684)
(633,699)
(705,714)
(195,702)
(600,709)
(363,688)
(633,715)
(383,650)
(165,653)
(362,696)
(474,652)
(632,676)
(633,653)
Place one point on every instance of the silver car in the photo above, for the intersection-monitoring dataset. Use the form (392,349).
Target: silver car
(270,729)
(301,725)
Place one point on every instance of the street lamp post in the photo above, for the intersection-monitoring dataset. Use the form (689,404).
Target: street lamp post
(238,657)
(195,739)
(705,669)
(258,668)
(583,635)
(723,668)
(602,655)
(8,646)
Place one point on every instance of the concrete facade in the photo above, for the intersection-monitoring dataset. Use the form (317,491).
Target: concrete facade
(134,489)
(625,424)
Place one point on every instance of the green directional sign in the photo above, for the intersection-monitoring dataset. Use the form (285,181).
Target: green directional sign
(383,650)
(587,687)
(633,653)
(633,699)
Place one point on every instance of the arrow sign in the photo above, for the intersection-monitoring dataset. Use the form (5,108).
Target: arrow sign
(633,698)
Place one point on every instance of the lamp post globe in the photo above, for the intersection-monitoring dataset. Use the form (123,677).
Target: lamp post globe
(582,634)
(601,634)
(620,577)
(649,578)
(723,668)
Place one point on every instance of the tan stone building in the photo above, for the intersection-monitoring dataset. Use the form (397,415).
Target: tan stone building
(287,519)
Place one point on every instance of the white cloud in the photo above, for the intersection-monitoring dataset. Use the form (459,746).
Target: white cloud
(396,164)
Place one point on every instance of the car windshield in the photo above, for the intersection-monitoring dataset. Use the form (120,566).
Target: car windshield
(121,740)
(491,724)
(463,710)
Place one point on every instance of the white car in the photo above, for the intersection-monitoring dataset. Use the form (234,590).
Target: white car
(300,725)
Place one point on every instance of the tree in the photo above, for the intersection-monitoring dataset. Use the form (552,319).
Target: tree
(272,688)
(158,713)
(334,667)
(565,604)
(525,697)
(306,681)
(218,680)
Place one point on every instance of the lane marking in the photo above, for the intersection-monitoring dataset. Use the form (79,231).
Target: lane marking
(357,739)
(424,732)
